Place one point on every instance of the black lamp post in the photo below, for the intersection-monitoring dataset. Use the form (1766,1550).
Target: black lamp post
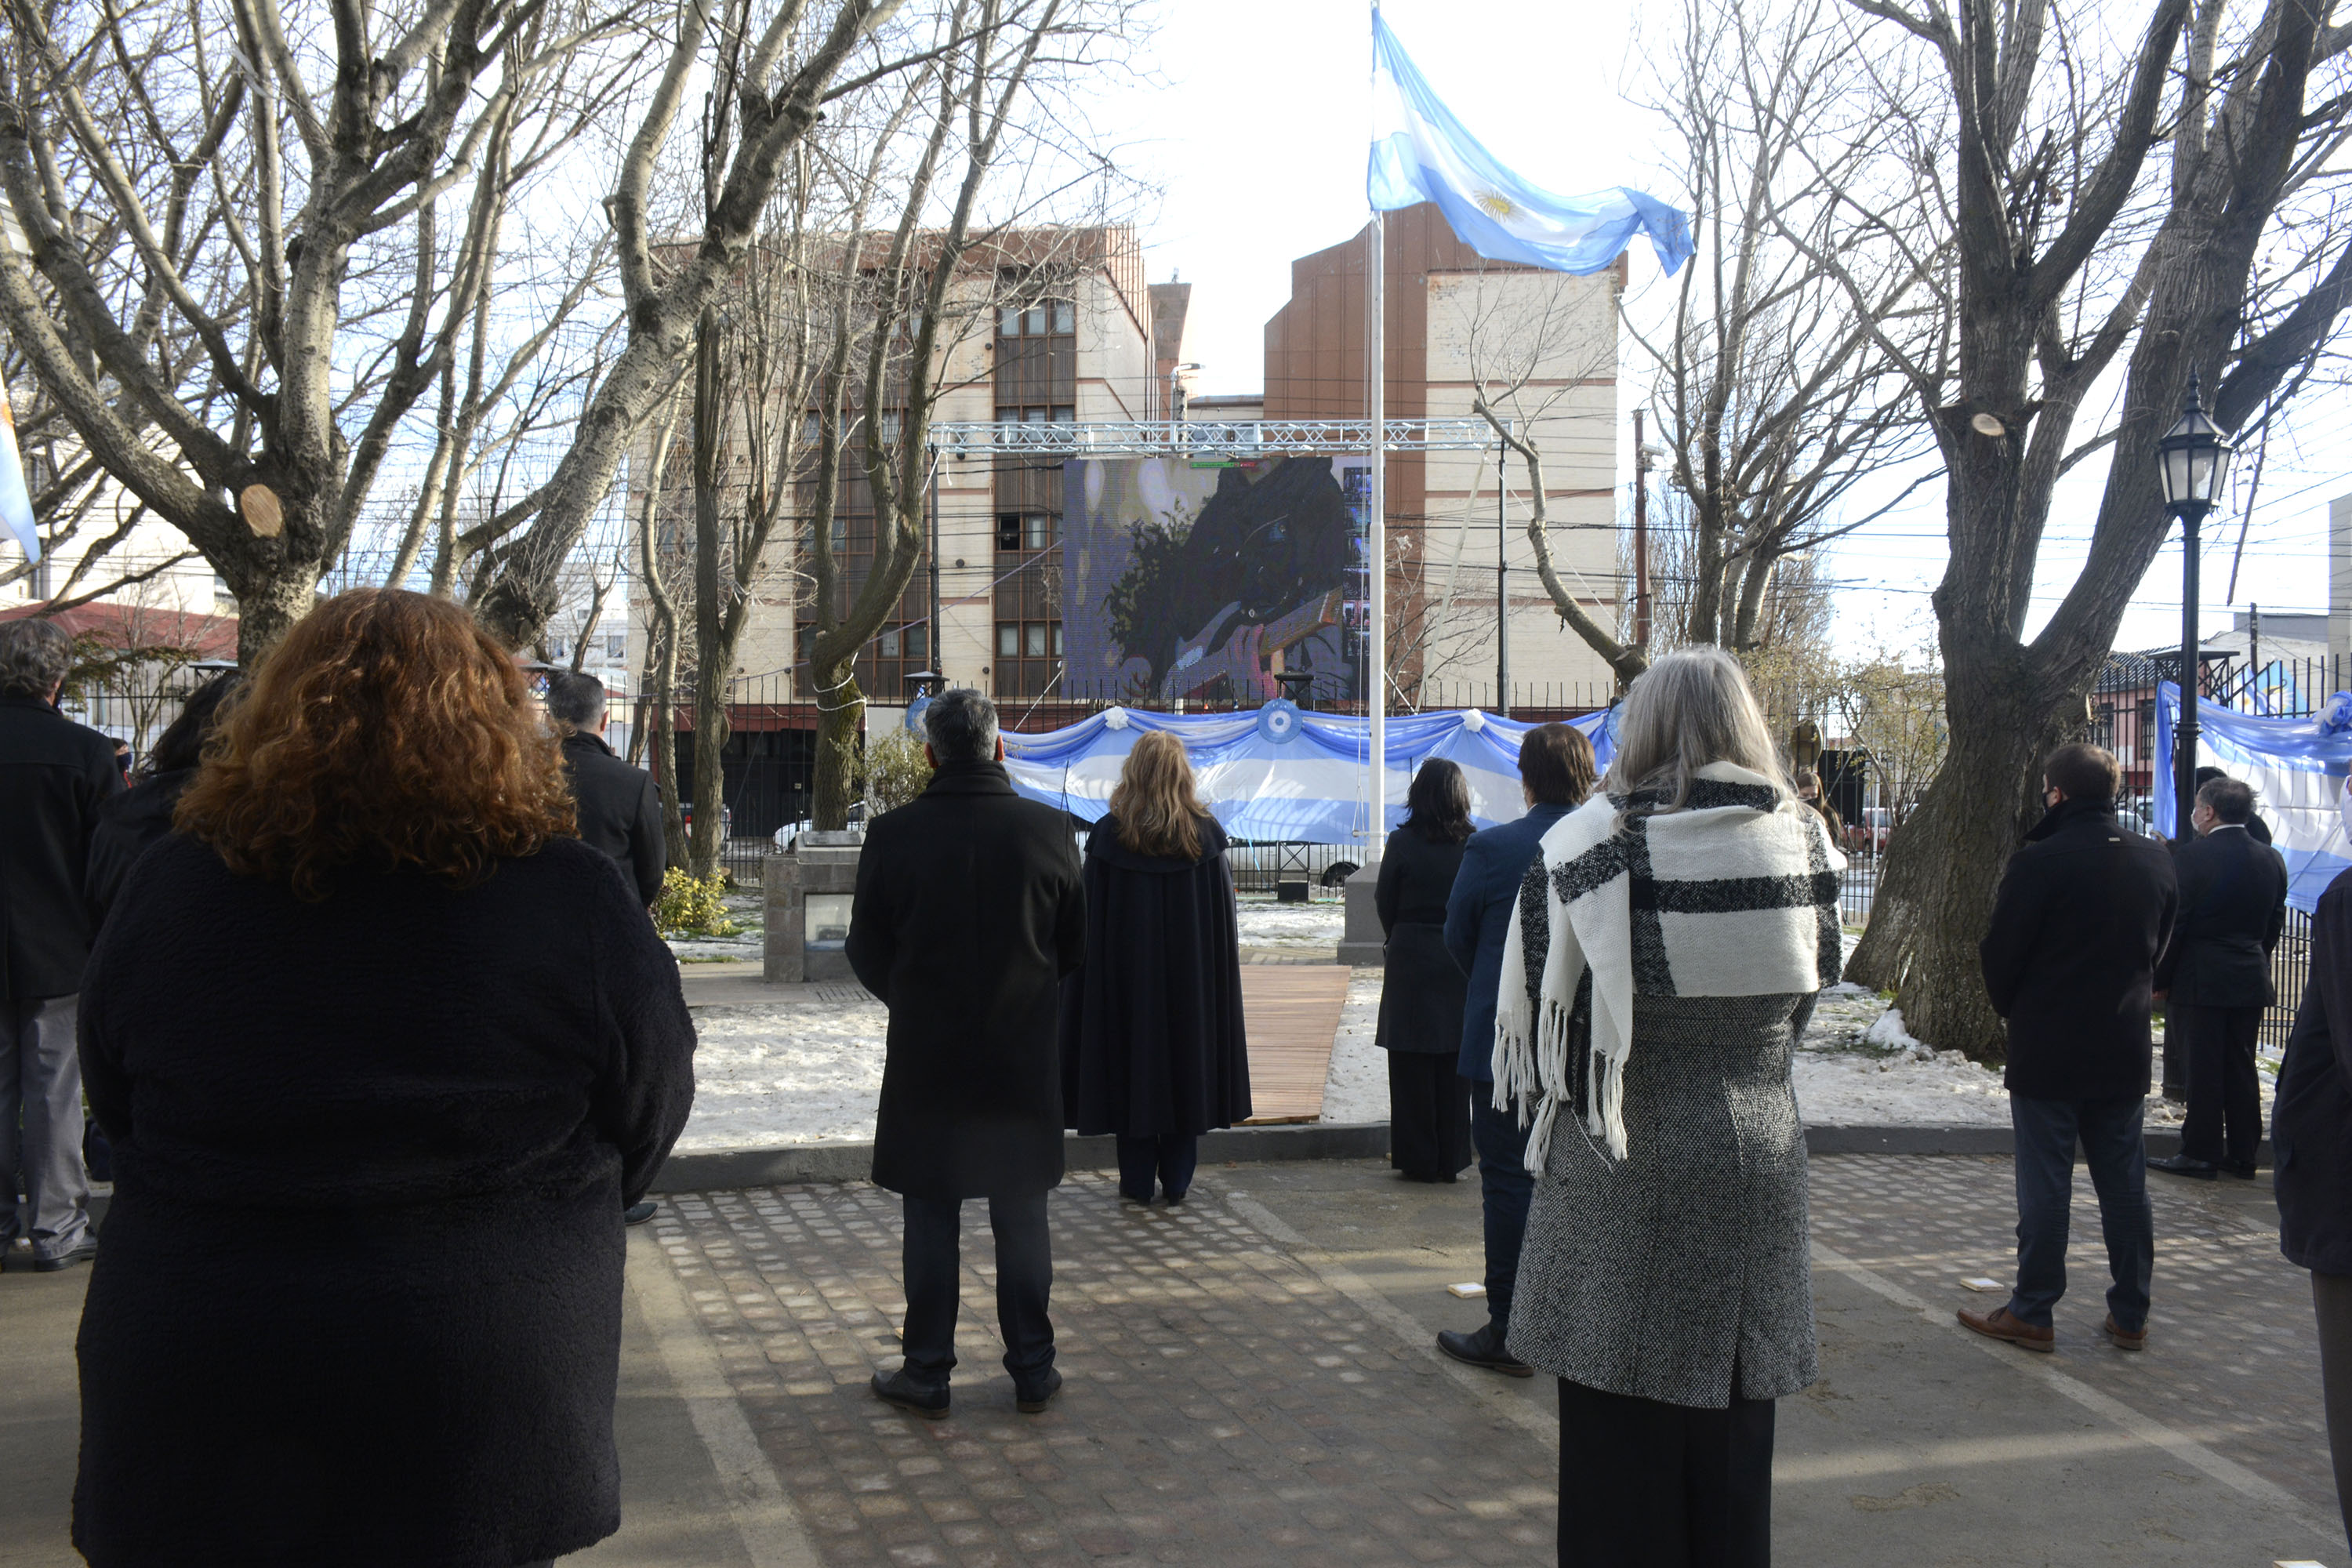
(2193,459)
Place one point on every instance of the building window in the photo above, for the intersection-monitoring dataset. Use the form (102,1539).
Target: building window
(1008,639)
(1055,317)
(616,645)
(1028,530)
(1037,414)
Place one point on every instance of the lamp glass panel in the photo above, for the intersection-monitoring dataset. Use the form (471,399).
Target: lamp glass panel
(2221,457)
(826,916)
(2173,464)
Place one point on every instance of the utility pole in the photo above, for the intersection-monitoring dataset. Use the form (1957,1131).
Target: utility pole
(1641,537)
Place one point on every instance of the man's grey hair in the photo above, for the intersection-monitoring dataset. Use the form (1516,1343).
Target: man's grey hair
(961,725)
(2231,800)
(33,658)
(574,699)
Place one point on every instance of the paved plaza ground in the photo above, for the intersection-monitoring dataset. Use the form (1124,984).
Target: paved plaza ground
(1251,1382)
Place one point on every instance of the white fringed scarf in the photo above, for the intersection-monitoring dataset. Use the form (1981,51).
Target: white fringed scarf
(1733,895)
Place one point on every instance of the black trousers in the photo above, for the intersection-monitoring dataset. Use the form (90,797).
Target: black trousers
(1024,1279)
(1429,1115)
(1169,1158)
(1643,1484)
(2331,1298)
(2224,1124)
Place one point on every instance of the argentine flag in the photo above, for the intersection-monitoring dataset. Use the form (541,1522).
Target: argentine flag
(1422,153)
(15,502)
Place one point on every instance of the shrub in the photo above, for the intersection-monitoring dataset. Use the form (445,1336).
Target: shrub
(690,906)
(896,772)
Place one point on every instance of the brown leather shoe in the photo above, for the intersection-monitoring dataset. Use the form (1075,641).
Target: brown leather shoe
(2123,1341)
(1998,1324)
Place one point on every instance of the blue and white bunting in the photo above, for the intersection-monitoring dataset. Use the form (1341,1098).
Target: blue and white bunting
(1420,153)
(16,501)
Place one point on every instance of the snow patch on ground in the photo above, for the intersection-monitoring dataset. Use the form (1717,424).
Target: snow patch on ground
(807,1072)
(795,1073)
(1266,923)
(1357,1086)
(1858,1066)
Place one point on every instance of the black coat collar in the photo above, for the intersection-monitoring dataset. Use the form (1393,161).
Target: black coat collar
(17,700)
(2069,814)
(970,778)
(583,739)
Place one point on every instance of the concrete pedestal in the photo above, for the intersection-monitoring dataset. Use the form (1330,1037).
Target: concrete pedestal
(818,863)
(1361,942)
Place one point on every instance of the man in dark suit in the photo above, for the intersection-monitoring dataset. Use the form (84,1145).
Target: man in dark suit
(54,777)
(2083,910)
(2216,980)
(2175,1052)
(1556,772)
(969,910)
(619,811)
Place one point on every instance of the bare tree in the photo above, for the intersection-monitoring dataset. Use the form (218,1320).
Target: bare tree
(1772,386)
(992,133)
(2107,207)
(316,199)
(1534,342)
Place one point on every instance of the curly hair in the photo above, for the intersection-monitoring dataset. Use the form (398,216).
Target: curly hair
(387,730)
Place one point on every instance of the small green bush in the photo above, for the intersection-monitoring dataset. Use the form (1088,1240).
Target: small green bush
(692,907)
(896,772)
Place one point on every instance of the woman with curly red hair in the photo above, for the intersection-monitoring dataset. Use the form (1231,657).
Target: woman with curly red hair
(383,1049)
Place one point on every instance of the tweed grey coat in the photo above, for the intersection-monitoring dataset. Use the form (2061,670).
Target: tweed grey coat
(1668,1274)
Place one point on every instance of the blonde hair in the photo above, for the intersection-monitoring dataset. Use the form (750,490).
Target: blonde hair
(1158,813)
(1692,707)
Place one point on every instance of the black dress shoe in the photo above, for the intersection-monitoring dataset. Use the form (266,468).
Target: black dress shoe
(81,1251)
(637,1214)
(1485,1348)
(2245,1172)
(1032,1401)
(2182,1165)
(898,1389)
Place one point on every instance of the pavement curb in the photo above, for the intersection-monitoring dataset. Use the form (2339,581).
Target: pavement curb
(728,1170)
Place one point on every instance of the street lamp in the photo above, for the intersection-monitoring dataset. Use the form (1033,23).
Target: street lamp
(2193,461)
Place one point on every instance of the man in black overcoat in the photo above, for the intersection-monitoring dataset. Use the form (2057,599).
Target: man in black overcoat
(619,811)
(969,909)
(2216,979)
(2310,1146)
(2084,909)
(54,775)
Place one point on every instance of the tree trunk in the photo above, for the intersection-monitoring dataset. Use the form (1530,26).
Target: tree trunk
(710,672)
(269,599)
(840,706)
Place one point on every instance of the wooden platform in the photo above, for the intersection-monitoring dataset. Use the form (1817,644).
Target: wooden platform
(1292,1010)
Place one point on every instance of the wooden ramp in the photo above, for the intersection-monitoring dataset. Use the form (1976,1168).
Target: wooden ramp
(1291,1012)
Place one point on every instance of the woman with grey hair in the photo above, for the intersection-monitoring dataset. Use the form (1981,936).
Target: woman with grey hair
(1668,946)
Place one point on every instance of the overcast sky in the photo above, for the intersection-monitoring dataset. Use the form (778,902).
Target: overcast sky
(1258,126)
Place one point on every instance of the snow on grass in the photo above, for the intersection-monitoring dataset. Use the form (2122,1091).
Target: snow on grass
(1357,1086)
(1266,923)
(806,1072)
(794,1073)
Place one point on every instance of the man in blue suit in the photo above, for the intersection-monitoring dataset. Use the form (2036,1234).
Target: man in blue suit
(1556,771)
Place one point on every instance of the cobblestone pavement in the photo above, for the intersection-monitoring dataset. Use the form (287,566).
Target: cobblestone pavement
(1241,1393)
(1224,1404)
(2233,1355)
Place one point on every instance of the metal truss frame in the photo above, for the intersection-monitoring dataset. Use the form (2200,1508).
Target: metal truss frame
(1204,439)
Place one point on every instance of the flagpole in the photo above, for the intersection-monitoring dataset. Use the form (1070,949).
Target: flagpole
(1376,650)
